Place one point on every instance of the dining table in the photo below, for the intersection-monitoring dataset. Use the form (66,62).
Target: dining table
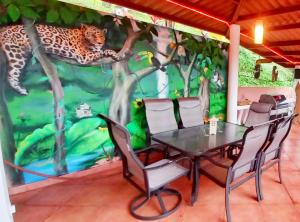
(196,142)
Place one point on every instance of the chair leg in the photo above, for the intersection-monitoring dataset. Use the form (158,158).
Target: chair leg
(227,205)
(257,186)
(279,171)
(161,203)
(259,178)
(138,202)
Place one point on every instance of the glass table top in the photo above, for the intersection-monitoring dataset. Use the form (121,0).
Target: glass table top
(196,140)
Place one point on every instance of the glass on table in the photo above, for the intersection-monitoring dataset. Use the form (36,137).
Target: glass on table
(220,127)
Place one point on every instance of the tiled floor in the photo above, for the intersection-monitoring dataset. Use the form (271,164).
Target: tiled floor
(105,197)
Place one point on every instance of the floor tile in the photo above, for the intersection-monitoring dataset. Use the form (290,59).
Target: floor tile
(280,213)
(33,213)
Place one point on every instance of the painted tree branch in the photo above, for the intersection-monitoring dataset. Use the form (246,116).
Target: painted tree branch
(59,116)
(142,73)
(186,74)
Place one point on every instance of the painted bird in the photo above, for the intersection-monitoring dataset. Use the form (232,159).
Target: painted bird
(151,59)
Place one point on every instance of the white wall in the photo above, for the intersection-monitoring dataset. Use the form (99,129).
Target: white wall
(253,93)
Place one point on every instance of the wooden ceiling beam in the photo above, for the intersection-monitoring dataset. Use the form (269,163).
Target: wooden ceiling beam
(235,13)
(283,27)
(270,55)
(150,11)
(194,8)
(285,53)
(286,65)
(283,43)
(275,44)
(274,12)
(276,28)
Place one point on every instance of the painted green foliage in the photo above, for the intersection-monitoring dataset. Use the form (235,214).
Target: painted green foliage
(246,72)
(90,90)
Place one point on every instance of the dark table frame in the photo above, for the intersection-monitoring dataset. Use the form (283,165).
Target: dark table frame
(195,158)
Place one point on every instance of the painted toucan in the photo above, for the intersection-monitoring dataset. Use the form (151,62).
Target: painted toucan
(151,59)
(156,63)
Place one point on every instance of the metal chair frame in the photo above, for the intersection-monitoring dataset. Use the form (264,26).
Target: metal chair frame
(147,193)
(253,173)
(262,166)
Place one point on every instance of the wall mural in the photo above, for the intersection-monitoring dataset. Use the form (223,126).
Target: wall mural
(255,71)
(56,76)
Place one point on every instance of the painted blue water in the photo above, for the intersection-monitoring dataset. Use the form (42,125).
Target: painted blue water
(74,163)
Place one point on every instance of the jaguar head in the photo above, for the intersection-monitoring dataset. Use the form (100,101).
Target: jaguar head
(95,37)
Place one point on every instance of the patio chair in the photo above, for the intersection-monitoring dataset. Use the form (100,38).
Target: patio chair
(190,111)
(160,118)
(191,115)
(152,179)
(229,173)
(258,113)
(271,154)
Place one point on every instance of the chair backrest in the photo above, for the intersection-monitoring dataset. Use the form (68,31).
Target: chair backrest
(254,140)
(258,113)
(160,115)
(280,133)
(121,140)
(190,111)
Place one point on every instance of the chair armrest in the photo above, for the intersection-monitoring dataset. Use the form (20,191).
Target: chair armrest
(215,162)
(168,163)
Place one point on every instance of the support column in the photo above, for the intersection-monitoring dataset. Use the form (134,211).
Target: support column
(5,205)
(233,71)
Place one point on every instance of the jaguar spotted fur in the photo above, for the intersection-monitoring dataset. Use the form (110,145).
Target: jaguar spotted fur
(83,44)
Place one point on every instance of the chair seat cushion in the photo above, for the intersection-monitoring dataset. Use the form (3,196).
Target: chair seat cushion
(217,173)
(161,176)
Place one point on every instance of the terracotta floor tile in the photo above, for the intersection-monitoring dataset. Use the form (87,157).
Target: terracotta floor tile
(23,197)
(244,194)
(292,178)
(280,213)
(297,206)
(55,195)
(33,213)
(74,214)
(246,212)
(294,193)
(204,212)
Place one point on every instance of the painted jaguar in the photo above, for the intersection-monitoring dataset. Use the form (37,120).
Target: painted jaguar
(83,44)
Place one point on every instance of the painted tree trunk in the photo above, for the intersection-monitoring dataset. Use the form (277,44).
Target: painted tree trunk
(58,94)
(124,82)
(162,42)
(186,75)
(124,79)
(204,96)
(186,86)
(118,110)
(6,126)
